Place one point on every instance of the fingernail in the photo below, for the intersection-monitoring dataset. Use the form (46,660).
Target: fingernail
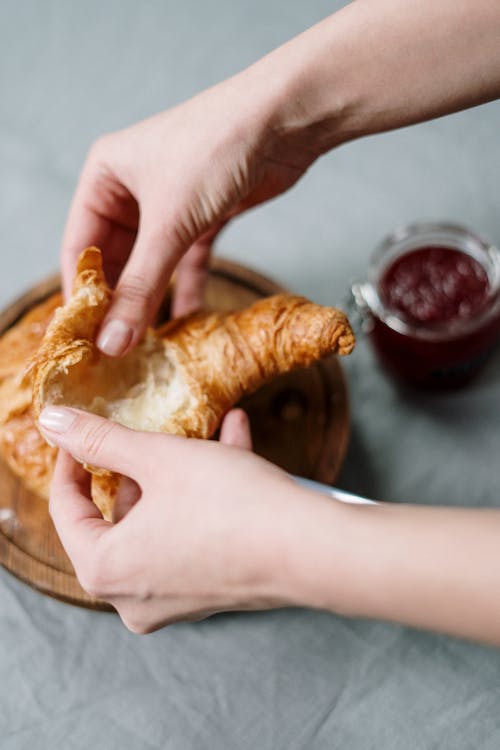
(114,338)
(56,419)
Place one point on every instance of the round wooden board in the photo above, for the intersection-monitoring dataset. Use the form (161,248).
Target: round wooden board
(300,421)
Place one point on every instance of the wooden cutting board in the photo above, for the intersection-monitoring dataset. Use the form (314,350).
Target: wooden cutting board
(300,422)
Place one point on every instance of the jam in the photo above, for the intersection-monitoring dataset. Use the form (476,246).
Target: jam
(433,304)
(435,285)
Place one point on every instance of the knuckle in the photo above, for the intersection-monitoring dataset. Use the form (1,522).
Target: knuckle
(93,437)
(136,290)
(179,235)
(135,624)
(95,166)
(93,580)
(99,147)
(97,576)
(198,257)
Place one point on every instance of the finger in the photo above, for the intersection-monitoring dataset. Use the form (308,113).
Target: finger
(127,495)
(84,228)
(235,430)
(96,441)
(115,241)
(141,286)
(190,279)
(191,275)
(76,518)
(103,213)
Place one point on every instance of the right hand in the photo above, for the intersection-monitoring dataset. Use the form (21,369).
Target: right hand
(212,526)
(159,192)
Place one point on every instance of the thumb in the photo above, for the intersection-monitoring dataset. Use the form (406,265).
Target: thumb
(235,430)
(76,518)
(96,441)
(141,287)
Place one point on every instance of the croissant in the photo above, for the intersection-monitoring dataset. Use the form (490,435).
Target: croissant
(21,445)
(181,378)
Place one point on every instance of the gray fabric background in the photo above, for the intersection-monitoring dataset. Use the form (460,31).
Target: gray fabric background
(290,679)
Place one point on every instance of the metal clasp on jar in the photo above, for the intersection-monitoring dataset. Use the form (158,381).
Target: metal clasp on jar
(358,308)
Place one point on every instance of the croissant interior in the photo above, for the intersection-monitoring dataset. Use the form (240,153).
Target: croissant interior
(142,390)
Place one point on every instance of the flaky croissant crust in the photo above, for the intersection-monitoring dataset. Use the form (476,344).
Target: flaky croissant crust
(182,378)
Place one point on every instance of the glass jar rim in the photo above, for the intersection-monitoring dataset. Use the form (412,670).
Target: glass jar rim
(417,235)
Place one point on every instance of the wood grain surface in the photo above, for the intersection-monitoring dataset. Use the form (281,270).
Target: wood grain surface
(300,421)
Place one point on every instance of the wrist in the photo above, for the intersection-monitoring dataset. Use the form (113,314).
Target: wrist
(265,113)
(303,98)
(375,66)
(309,96)
(311,557)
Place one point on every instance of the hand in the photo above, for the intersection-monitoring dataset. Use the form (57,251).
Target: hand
(162,189)
(207,534)
(213,527)
(159,192)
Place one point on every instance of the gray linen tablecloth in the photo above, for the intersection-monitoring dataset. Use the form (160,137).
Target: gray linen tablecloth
(291,679)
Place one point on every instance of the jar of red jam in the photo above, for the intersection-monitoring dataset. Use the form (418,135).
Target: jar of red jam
(432,303)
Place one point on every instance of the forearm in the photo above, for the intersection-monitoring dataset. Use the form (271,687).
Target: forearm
(434,568)
(381,64)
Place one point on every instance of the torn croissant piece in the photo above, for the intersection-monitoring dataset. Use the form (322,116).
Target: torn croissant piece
(181,378)
(21,445)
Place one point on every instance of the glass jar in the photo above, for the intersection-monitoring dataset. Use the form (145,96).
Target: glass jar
(431,303)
